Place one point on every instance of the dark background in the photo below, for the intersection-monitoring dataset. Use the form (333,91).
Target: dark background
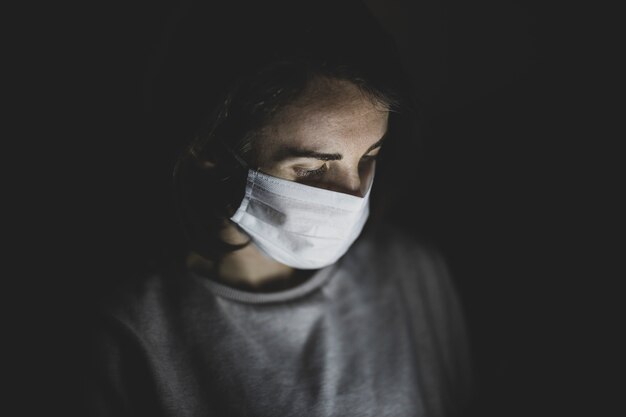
(508,191)
(508,188)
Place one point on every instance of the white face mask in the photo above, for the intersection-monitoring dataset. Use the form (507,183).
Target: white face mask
(299,225)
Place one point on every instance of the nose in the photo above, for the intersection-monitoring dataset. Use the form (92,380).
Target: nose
(351,186)
(352,182)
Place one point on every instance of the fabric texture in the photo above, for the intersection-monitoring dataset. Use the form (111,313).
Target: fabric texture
(379,333)
(300,225)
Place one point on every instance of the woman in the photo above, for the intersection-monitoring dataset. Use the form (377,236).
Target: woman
(289,298)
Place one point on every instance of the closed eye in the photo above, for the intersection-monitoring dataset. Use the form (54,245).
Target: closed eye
(302,173)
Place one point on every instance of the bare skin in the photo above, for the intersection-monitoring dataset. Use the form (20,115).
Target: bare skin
(328,138)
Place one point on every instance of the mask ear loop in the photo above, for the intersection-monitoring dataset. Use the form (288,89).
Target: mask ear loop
(248,192)
(253,173)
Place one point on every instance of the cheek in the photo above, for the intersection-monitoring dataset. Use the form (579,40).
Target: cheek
(265,147)
(366,171)
(284,172)
(367,165)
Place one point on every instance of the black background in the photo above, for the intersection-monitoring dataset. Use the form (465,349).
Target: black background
(515,188)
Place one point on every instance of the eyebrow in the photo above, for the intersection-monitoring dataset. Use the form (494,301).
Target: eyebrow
(291,152)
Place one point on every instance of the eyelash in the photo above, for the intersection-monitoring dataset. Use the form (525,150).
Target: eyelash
(324,168)
(311,172)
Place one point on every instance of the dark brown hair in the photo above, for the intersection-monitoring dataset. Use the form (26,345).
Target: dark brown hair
(264,77)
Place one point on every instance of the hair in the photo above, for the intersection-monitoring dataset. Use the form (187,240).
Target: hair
(208,176)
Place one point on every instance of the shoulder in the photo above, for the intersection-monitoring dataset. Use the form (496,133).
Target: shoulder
(144,304)
(418,266)
(131,296)
(435,307)
(390,244)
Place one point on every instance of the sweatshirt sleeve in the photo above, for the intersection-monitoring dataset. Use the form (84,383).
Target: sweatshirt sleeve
(455,333)
(117,374)
(437,314)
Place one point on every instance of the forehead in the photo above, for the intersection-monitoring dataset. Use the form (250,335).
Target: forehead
(328,112)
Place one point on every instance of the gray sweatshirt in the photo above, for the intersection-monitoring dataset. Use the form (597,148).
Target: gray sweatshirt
(379,333)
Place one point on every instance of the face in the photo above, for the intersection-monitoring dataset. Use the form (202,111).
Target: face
(328,138)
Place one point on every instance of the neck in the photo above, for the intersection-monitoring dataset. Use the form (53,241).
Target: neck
(250,266)
(247,268)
